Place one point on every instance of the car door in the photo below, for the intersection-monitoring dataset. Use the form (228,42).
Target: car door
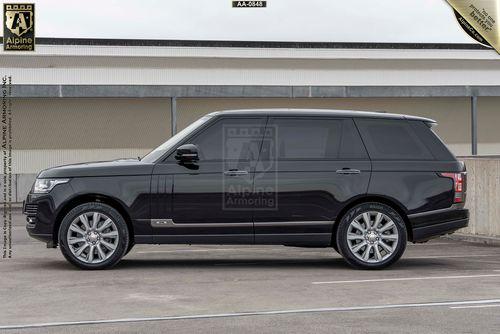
(210,201)
(308,169)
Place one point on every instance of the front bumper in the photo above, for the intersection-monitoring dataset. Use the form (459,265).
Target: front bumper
(431,224)
(39,218)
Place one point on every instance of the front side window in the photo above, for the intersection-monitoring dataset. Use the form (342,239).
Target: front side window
(158,152)
(230,139)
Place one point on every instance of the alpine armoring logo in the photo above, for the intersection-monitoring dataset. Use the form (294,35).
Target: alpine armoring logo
(19,27)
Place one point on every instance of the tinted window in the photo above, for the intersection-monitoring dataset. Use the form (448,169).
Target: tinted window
(392,140)
(432,141)
(231,139)
(174,141)
(307,138)
(351,147)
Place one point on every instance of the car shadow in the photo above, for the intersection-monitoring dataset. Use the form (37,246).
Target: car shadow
(249,262)
(288,263)
(223,264)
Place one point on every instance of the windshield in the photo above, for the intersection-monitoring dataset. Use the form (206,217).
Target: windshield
(173,141)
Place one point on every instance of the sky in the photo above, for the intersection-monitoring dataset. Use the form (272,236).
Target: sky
(411,21)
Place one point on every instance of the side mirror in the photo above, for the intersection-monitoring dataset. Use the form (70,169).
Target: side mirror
(187,153)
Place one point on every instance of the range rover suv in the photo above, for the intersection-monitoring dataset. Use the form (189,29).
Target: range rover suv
(362,183)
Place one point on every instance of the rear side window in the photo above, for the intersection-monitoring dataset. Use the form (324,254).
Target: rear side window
(309,138)
(392,140)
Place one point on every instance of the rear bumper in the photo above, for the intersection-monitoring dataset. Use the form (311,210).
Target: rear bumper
(431,224)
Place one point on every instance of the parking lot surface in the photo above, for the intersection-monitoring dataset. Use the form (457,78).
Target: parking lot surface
(443,286)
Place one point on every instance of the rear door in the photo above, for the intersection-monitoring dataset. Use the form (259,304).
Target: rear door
(309,167)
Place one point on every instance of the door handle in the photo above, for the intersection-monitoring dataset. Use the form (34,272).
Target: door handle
(235,172)
(348,171)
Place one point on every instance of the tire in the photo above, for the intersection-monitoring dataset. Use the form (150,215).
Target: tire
(90,246)
(373,246)
(129,248)
(334,245)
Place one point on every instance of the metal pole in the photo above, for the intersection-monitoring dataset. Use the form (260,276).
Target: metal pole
(173,115)
(473,122)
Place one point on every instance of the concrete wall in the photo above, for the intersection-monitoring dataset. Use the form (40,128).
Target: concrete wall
(488,109)
(483,196)
(51,132)
(452,114)
(21,185)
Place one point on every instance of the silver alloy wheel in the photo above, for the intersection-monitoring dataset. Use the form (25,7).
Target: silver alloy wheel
(92,237)
(372,237)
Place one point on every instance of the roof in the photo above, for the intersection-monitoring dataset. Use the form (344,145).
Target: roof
(319,113)
(252,44)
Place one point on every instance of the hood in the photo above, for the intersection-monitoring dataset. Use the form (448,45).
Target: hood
(101,168)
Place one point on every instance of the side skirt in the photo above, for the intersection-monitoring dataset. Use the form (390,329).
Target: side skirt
(292,239)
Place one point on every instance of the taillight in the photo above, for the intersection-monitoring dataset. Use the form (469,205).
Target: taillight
(459,185)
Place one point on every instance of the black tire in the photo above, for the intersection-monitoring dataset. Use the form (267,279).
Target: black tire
(114,215)
(131,245)
(343,243)
(334,245)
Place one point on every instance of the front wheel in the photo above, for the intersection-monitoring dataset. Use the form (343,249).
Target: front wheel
(93,236)
(371,236)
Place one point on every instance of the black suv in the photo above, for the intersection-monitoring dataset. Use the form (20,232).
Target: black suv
(362,183)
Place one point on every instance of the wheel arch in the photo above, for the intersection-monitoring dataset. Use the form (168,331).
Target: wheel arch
(393,203)
(86,198)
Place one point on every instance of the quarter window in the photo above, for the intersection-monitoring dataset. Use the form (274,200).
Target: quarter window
(392,140)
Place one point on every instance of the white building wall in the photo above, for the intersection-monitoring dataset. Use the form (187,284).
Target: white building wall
(150,65)
(339,72)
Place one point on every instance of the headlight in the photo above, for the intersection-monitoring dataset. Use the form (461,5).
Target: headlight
(43,186)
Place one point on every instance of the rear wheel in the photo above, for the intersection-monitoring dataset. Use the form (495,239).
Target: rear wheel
(371,236)
(93,236)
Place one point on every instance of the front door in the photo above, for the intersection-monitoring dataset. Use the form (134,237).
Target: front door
(210,201)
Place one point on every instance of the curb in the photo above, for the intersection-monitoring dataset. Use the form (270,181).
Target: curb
(477,239)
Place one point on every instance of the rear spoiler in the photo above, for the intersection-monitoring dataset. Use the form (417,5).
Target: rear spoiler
(430,124)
